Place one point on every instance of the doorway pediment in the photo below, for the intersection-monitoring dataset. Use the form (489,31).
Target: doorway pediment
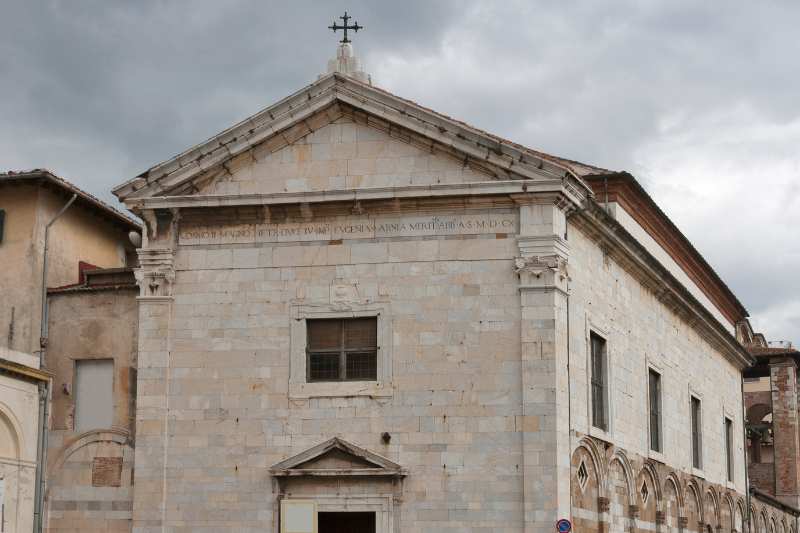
(337,457)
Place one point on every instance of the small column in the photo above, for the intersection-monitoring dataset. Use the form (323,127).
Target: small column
(785,430)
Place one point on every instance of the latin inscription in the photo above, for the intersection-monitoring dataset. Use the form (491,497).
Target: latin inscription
(365,228)
(107,471)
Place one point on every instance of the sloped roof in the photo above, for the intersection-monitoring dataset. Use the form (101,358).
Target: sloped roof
(514,158)
(88,200)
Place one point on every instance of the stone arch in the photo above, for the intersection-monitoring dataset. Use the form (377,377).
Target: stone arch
(620,493)
(726,513)
(96,435)
(71,483)
(711,508)
(11,444)
(757,412)
(672,504)
(649,499)
(738,516)
(753,519)
(693,510)
(586,488)
(782,525)
(762,521)
(773,527)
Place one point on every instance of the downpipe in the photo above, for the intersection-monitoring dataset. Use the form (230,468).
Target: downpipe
(44,390)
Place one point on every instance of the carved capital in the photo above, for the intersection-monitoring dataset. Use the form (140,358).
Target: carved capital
(661,517)
(683,522)
(633,511)
(156,272)
(603,504)
(540,264)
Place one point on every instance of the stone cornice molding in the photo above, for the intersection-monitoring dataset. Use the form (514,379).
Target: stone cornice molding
(634,257)
(288,117)
(517,189)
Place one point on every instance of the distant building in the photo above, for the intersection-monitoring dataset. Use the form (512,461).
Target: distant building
(771,392)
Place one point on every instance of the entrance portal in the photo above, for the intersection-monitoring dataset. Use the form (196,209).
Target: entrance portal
(346,522)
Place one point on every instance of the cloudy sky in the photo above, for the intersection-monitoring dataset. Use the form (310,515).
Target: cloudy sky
(699,100)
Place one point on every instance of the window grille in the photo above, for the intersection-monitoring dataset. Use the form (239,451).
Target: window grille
(598,380)
(654,387)
(697,456)
(342,349)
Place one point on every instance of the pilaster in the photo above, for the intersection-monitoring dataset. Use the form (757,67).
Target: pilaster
(543,277)
(155,278)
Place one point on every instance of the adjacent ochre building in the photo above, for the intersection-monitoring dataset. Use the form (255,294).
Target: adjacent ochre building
(358,314)
(51,234)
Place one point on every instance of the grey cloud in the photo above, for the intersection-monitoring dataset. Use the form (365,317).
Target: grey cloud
(100,90)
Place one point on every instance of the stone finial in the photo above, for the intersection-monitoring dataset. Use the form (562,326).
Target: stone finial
(348,64)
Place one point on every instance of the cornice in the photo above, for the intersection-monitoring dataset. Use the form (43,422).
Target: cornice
(24,372)
(623,189)
(515,188)
(637,260)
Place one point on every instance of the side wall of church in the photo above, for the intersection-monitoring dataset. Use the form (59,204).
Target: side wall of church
(642,334)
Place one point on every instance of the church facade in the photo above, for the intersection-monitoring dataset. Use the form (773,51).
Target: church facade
(358,314)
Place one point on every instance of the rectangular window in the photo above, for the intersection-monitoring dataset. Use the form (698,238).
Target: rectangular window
(729,447)
(342,349)
(2,223)
(598,377)
(697,455)
(654,388)
(94,394)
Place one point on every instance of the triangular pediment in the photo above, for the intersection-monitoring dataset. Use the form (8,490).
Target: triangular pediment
(339,103)
(337,457)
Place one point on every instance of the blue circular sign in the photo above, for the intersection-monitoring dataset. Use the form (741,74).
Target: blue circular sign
(564,526)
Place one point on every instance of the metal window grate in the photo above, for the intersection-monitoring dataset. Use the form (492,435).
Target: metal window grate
(697,458)
(362,366)
(342,349)
(729,447)
(324,366)
(598,379)
(654,387)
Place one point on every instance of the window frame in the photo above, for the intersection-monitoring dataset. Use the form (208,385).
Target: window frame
(696,431)
(75,392)
(600,385)
(658,413)
(2,224)
(727,424)
(342,351)
(300,388)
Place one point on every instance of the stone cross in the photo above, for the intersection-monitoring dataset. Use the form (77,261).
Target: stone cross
(355,27)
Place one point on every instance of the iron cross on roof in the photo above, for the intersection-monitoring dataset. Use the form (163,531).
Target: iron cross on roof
(355,27)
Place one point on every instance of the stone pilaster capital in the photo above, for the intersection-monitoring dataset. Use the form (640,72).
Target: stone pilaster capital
(156,272)
(537,265)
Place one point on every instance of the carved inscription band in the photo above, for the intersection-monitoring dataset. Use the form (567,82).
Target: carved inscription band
(351,228)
